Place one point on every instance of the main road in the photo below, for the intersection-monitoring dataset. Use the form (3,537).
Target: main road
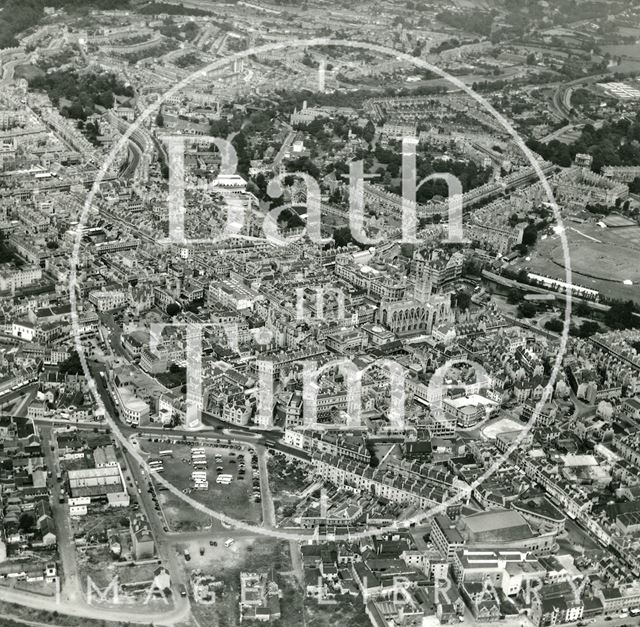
(562,95)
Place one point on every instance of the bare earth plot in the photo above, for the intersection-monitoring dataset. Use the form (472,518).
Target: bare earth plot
(255,555)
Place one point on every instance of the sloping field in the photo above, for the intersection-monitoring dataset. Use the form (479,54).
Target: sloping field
(601,259)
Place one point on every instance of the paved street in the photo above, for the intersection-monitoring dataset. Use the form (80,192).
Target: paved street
(268,511)
(71,587)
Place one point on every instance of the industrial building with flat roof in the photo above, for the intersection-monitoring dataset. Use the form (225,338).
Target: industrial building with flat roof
(105,482)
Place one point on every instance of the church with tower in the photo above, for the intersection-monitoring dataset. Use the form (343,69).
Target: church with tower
(420,313)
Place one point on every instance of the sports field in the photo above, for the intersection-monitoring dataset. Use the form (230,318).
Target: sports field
(601,259)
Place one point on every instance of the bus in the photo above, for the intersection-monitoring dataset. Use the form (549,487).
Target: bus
(166,453)
(196,451)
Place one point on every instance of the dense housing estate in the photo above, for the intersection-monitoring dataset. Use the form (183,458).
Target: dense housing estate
(262,359)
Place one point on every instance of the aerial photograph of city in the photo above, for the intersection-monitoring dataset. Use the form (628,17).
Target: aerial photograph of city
(319,313)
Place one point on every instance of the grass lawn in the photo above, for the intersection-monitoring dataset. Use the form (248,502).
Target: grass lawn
(27,71)
(601,259)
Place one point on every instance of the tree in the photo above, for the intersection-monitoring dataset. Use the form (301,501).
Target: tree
(336,197)
(303,164)
(582,309)
(555,325)
(342,237)
(289,219)
(239,142)
(173,309)
(26,522)
(160,119)
(588,328)
(462,300)
(514,296)
(527,309)
(368,132)
(71,365)
(471,266)
(621,316)
(219,128)
(529,235)
(85,94)
(18,15)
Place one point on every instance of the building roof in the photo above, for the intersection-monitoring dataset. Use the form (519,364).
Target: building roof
(542,507)
(497,525)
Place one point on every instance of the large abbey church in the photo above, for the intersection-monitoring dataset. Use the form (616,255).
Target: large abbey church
(420,313)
